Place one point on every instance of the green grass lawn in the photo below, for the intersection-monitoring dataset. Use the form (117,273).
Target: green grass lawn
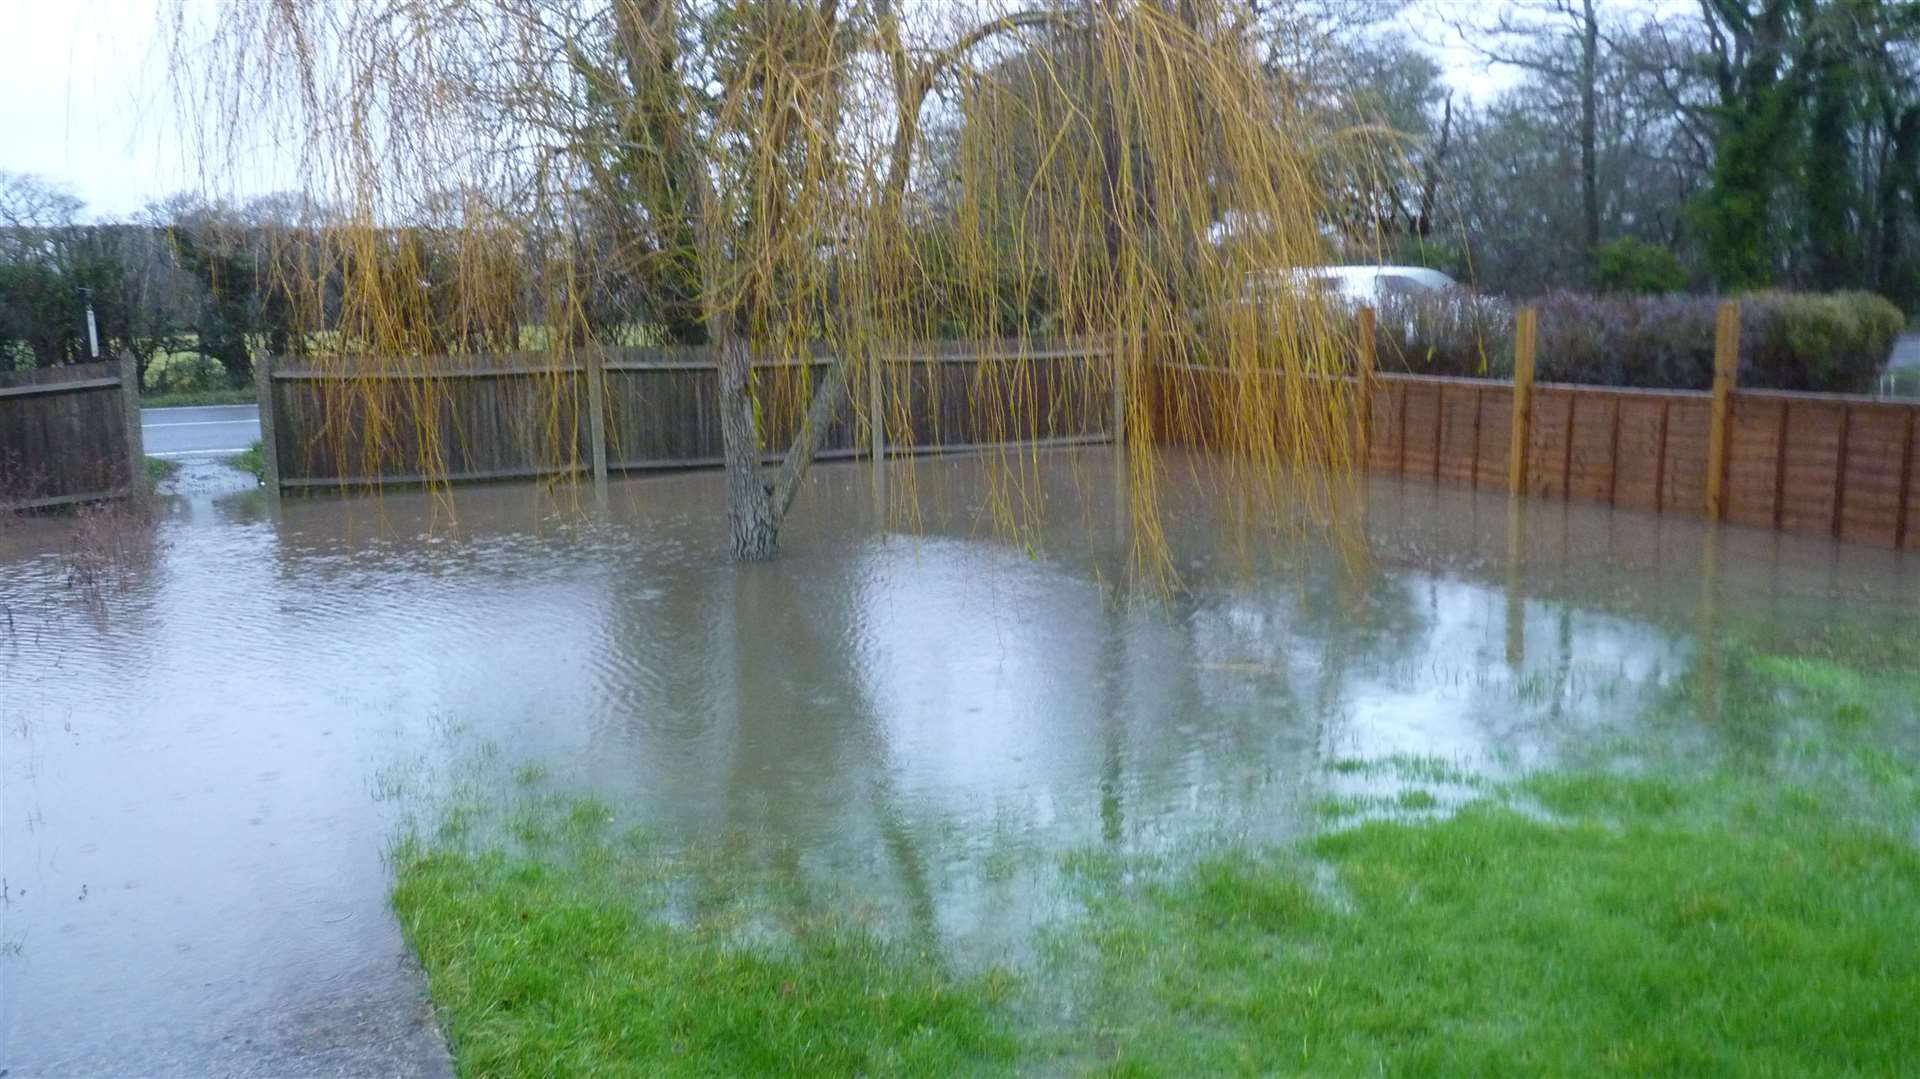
(1643,913)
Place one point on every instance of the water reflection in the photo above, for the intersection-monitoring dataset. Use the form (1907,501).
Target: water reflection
(199,779)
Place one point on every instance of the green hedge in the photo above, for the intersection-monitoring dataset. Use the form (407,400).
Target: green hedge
(1830,342)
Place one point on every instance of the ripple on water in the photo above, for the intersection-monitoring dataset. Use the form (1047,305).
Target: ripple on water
(927,721)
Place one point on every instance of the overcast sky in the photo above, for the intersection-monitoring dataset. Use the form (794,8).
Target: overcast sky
(82,99)
(85,101)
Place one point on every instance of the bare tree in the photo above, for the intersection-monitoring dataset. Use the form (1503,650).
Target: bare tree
(1560,41)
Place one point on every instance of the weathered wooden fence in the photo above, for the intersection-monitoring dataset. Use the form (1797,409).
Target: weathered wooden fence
(1801,462)
(69,434)
(622,410)
(1823,463)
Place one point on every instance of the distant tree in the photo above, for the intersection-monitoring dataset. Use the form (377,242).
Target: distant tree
(1816,135)
(1559,43)
(1630,265)
(51,269)
(30,203)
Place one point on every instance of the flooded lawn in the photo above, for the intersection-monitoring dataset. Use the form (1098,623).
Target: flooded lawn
(211,741)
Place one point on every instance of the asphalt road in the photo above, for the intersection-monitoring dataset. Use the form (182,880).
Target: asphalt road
(205,431)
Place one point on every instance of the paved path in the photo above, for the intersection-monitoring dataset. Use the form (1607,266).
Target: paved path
(202,431)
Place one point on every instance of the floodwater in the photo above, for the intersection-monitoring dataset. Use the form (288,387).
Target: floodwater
(209,735)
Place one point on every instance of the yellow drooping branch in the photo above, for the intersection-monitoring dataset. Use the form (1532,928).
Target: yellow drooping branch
(787,178)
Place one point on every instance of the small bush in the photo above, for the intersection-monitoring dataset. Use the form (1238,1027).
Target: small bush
(1802,341)
(184,372)
(1635,266)
(1826,342)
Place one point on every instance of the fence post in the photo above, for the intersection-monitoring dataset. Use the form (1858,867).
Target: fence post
(1525,339)
(1365,386)
(269,445)
(1118,425)
(1726,371)
(596,371)
(136,439)
(135,436)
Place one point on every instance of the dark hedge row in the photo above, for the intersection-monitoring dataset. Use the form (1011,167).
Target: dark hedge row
(1832,342)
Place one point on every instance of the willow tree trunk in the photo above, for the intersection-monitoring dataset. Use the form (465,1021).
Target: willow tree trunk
(753,528)
(756,504)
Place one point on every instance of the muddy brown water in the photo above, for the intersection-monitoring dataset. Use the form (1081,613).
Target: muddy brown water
(210,738)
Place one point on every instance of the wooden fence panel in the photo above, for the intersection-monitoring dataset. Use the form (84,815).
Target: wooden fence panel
(65,435)
(1420,428)
(1495,436)
(1641,451)
(1549,441)
(511,422)
(1907,532)
(1814,430)
(1803,462)
(1689,424)
(1800,462)
(1459,433)
(1384,442)
(664,412)
(1590,448)
(1756,448)
(663,417)
(958,400)
(468,418)
(1876,449)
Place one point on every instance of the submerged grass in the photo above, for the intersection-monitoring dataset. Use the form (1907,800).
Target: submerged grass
(250,461)
(160,470)
(1750,915)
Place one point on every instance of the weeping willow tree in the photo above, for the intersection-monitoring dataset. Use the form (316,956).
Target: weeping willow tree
(781,179)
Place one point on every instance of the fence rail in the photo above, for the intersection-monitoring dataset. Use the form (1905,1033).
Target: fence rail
(69,434)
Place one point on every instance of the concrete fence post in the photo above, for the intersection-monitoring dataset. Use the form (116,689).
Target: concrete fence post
(1525,340)
(1726,374)
(269,444)
(136,439)
(1118,424)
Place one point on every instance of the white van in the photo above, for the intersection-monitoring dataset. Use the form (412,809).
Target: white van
(1360,286)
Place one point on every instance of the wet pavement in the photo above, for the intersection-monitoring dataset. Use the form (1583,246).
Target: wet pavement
(211,737)
(199,430)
